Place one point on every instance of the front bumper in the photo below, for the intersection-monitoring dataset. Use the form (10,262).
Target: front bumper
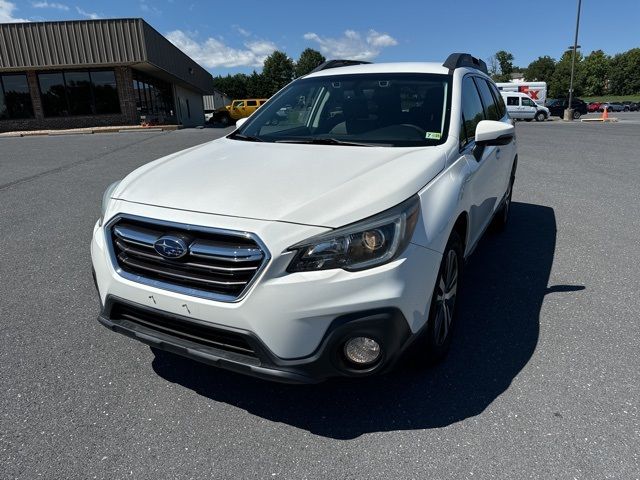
(290,318)
(153,327)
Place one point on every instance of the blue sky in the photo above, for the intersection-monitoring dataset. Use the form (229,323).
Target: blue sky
(233,36)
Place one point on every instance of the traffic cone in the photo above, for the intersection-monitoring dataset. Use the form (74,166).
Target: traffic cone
(605,114)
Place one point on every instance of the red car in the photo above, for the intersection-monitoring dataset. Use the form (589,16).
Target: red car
(594,107)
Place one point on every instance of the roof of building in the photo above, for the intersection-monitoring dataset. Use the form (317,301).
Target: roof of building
(91,43)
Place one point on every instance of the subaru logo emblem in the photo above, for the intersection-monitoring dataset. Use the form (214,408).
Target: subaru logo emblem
(171,247)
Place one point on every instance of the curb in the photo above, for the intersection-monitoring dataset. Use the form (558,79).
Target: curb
(90,131)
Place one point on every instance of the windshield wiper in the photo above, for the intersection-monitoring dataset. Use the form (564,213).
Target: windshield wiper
(246,138)
(329,141)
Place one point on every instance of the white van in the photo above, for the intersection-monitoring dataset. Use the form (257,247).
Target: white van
(537,91)
(521,107)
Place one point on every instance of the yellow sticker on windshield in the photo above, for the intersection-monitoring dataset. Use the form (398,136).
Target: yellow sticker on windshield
(433,135)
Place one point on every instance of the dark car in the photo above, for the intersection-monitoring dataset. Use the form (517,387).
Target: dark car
(558,106)
(631,106)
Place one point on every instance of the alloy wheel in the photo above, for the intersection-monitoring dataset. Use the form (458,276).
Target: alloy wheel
(446,298)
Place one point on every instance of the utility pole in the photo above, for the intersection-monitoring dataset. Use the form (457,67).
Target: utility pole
(568,113)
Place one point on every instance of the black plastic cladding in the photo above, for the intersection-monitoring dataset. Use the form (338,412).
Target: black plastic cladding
(337,63)
(457,60)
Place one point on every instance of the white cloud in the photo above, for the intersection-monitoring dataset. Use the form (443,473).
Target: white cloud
(145,7)
(352,45)
(92,16)
(6,13)
(57,6)
(214,53)
(381,39)
(241,31)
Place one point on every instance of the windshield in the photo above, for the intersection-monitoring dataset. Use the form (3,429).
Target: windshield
(387,109)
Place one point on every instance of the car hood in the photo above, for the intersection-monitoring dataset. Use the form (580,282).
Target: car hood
(324,185)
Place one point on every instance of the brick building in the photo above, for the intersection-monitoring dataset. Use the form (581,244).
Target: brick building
(95,73)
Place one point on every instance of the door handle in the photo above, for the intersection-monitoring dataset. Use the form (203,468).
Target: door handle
(497,154)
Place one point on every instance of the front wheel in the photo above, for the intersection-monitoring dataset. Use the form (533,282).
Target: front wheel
(225,120)
(443,301)
(540,117)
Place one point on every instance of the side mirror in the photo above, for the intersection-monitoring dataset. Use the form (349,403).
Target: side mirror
(492,133)
(241,121)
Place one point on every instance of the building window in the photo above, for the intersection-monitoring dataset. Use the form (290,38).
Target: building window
(83,92)
(153,96)
(105,91)
(54,100)
(15,99)
(79,93)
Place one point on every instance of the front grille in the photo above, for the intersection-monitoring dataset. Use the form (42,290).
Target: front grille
(186,330)
(218,264)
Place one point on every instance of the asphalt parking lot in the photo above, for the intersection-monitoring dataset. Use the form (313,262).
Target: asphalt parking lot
(543,379)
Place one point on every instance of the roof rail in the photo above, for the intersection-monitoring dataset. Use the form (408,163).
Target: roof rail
(337,63)
(457,60)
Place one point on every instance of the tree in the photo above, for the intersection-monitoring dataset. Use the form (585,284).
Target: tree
(493,66)
(505,61)
(309,59)
(278,70)
(257,86)
(595,73)
(540,70)
(561,78)
(234,86)
(624,76)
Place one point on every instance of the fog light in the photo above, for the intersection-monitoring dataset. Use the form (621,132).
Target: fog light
(362,351)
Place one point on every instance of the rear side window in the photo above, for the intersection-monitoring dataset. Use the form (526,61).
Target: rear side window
(472,112)
(502,109)
(490,107)
(512,101)
(251,103)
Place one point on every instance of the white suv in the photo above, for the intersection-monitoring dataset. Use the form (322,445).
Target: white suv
(322,244)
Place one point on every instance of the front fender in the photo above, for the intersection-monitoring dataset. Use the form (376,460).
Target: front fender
(442,202)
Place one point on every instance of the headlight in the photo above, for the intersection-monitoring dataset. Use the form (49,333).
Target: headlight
(365,244)
(106,196)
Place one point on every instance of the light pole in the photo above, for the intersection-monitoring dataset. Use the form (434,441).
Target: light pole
(568,113)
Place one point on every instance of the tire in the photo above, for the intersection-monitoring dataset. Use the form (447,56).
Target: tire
(540,117)
(501,217)
(626,109)
(576,114)
(442,312)
(225,120)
